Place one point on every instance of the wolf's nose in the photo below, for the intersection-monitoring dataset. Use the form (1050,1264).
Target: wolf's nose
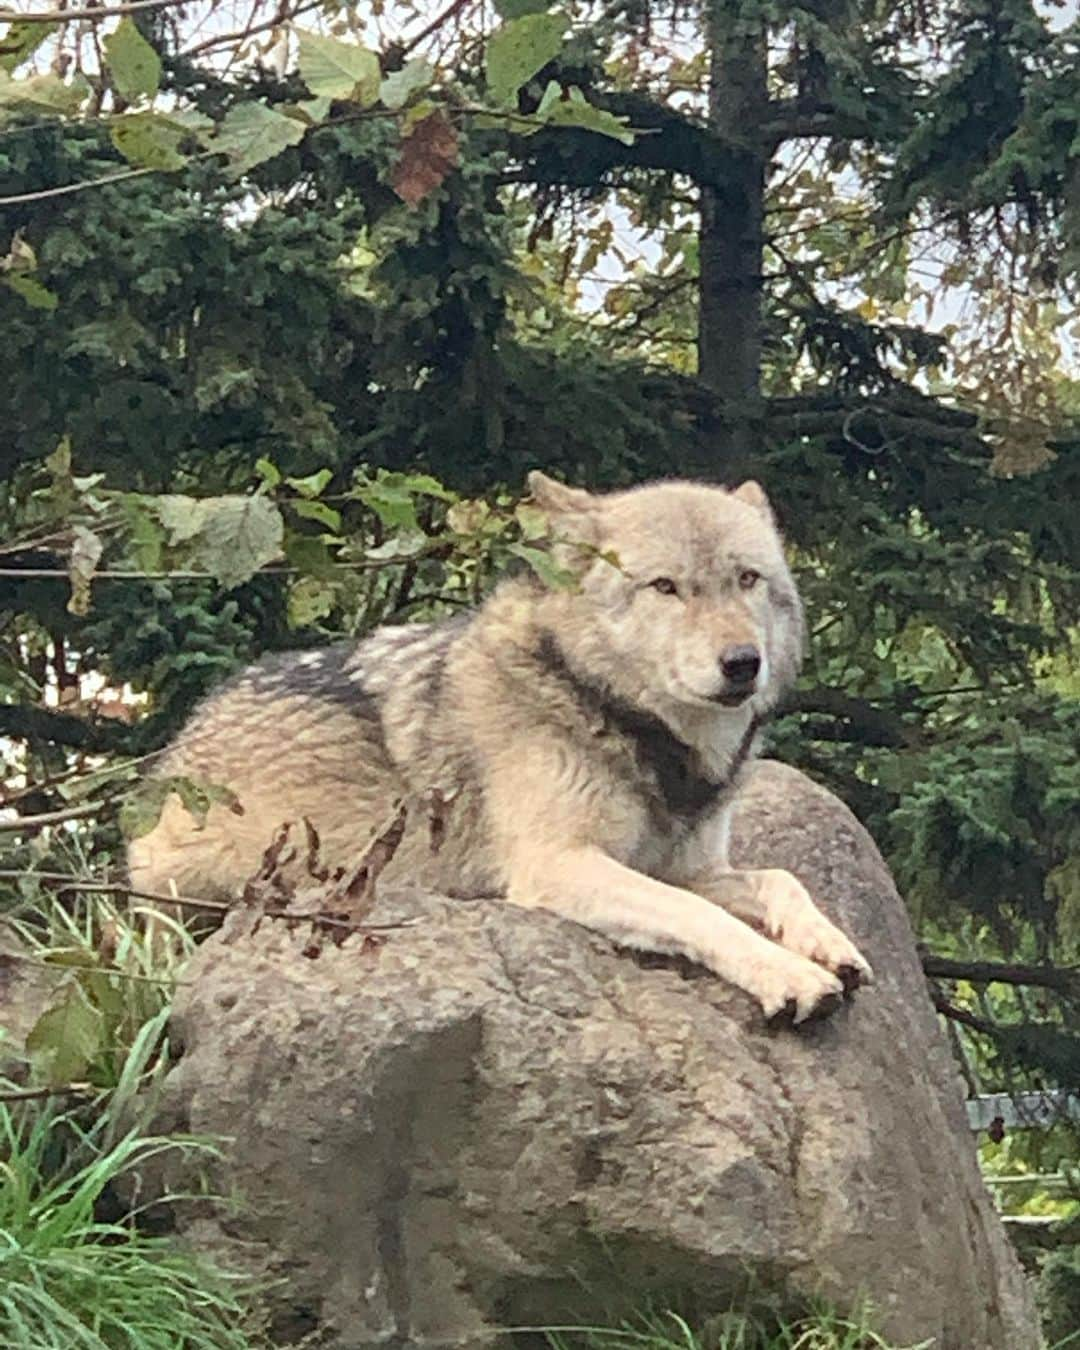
(740,664)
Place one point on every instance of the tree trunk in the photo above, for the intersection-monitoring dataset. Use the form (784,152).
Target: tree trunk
(729,306)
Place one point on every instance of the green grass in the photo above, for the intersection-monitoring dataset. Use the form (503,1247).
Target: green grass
(72,1276)
(821,1329)
(71,1281)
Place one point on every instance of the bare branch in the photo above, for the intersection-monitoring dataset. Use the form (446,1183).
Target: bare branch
(20,198)
(38,1093)
(1063,979)
(93,14)
(34,823)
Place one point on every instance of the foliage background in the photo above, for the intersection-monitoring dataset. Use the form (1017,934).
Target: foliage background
(293,296)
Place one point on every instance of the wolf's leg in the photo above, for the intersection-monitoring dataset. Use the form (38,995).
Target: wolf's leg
(779,905)
(586,885)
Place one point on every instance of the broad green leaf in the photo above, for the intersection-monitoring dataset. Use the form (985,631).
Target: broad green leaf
(310,555)
(408,542)
(518,49)
(67,1037)
(145,536)
(430,487)
(32,291)
(183,517)
(231,537)
(134,66)
(238,536)
(86,551)
(252,133)
(558,578)
(268,471)
(325,515)
(309,599)
(140,809)
(393,505)
(310,110)
(396,90)
(21,41)
(533,522)
(577,111)
(313,484)
(333,69)
(44,91)
(150,141)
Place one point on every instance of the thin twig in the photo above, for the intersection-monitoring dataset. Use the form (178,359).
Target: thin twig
(37,1093)
(433,27)
(28,959)
(70,882)
(242,34)
(20,198)
(73,15)
(118,574)
(39,822)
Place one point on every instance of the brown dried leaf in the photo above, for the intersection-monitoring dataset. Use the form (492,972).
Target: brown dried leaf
(355,894)
(428,154)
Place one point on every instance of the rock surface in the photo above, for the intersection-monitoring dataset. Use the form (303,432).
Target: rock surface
(494,1118)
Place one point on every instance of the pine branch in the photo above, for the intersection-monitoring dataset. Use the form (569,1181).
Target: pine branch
(24,722)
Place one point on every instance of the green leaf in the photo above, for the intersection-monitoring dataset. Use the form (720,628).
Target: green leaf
(67,1037)
(86,551)
(21,41)
(232,537)
(268,471)
(313,484)
(577,111)
(183,517)
(150,141)
(252,133)
(558,578)
(309,599)
(314,109)
(393,505)
(428,486)
(533,522)
(239,535)
(134,66)
(396,90)
(408,542)
(325,515)
(518,49)
(44,91)
(310,555)
(32,291)
(140,809)
(333,69)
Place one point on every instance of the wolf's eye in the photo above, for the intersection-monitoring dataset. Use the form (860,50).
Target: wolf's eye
(665,586)
(748,578)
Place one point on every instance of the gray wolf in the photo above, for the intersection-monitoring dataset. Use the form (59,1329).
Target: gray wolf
(587,742)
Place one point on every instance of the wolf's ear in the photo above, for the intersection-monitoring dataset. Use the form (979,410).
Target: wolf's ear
(753,494)
(572,516)
(556,498)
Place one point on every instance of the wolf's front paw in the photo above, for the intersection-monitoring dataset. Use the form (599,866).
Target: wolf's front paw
(793,990)
(792,920)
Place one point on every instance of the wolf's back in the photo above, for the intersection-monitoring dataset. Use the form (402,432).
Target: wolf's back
(297,735)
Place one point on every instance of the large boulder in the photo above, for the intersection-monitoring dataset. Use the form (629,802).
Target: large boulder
(493,1118)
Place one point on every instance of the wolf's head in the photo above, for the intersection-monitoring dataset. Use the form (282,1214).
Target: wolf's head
(685,594)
